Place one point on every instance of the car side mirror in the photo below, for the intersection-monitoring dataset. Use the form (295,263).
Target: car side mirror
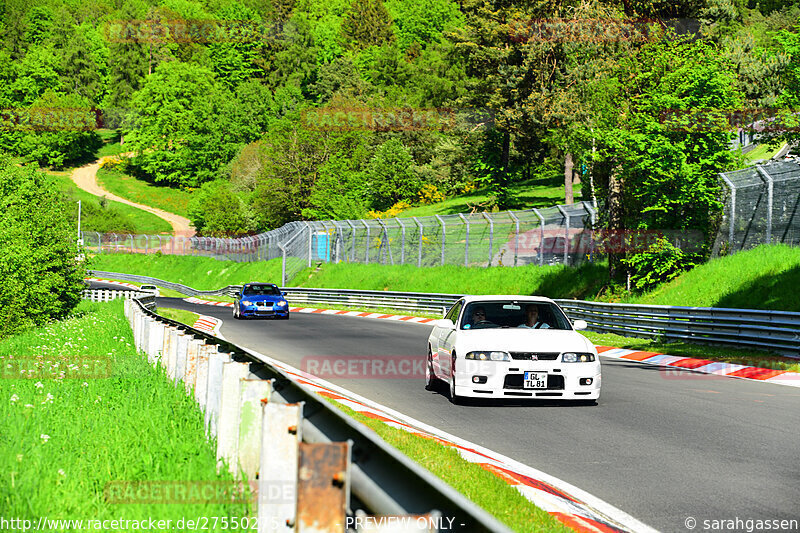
(580,324)
(446,323)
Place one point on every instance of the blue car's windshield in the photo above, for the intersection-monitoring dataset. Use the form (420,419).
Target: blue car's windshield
(261,290)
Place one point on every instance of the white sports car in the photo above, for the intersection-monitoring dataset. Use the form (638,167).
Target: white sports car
(512,346)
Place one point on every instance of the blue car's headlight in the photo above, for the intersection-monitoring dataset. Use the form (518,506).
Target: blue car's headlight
(247,302)
(282,303)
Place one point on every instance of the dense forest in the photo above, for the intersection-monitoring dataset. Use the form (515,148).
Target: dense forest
(279,110)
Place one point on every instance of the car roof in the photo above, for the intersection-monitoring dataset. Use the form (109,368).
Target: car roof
(515,297)
(259,283)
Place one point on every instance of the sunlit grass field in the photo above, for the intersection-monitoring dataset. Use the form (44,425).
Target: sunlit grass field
(93,417)
(136,190)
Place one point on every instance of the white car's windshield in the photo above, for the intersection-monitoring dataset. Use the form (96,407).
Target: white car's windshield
(513,314)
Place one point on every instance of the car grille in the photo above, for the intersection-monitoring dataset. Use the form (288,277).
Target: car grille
(514,381)
(529,356)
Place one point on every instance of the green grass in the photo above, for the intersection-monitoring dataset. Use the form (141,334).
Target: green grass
(743,356)
(202,273)
(106,216)
(139,191)
(543,192)
(762,151)
(485,489)
(63,440)
(179,315)
(111,144)
(555,281)
(766,277)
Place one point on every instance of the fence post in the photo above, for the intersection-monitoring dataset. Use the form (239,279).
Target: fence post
(353,251)
(146,244)
(541,235)
(99,243)
(566,233)
(765,175)
(385,239)
(310,235)
(366,261)
(402,241)
(732,216)
(421,228)
(280,446)
(466,241)
(516,235)
(283,265)
(441,221)
(324,476)
(491,237)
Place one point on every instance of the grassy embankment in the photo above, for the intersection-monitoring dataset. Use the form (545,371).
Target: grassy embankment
(106,216)
(139,191)
(116,421)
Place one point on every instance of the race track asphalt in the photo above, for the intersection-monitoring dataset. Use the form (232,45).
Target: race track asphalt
(659,446)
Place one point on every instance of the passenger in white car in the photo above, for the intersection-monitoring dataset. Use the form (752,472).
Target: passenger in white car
(532,319)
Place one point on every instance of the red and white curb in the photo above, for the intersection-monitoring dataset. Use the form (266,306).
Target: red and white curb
(208,324)
(570,505)
(193,300)
(112,282)
(704,366)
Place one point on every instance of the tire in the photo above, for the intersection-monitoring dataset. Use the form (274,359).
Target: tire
(430,377)
(236,312)
(454,397)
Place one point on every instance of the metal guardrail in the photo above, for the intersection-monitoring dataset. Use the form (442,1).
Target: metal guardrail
(354,470)
(777,331)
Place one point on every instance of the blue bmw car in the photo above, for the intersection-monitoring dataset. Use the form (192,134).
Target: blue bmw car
(260,300)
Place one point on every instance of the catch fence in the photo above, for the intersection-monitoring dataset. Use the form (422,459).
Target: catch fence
(761,206)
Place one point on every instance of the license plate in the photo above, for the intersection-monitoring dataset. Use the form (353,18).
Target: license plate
(264,307)
(535,380)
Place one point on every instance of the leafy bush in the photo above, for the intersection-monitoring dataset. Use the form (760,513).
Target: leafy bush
(217,211)
(42,277)
(660,263)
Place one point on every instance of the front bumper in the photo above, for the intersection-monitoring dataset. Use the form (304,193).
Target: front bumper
(505,379)
(254,311)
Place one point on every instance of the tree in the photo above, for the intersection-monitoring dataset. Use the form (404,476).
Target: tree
(42,277)
(217,211)
(367,23)
(390,175)
(182,136)
(128,62)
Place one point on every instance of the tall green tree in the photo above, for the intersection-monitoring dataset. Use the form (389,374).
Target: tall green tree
(367,23)
(42,275)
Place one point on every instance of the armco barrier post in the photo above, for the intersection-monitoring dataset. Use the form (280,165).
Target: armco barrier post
(228,423)
(192,354)
(323,476)
(172,354)
(167,347)
(253,391)
(277,478)
(156,342)
(148,331)
(214,390)
(181,355)
(201,381)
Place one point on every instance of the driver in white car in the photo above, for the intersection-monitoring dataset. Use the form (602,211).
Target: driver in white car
(532,319)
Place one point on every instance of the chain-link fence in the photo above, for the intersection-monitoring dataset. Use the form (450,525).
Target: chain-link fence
(560,234)
(761,206)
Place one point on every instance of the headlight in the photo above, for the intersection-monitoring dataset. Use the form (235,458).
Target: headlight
(488,356)
(247,302)
(577,357)
(281,303)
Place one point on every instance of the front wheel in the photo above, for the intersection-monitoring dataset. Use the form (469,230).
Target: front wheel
(454,397)
(430,377)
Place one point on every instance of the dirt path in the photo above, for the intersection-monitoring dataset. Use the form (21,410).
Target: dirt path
(86,178)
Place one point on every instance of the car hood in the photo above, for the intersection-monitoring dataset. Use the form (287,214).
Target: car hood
(523,340)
